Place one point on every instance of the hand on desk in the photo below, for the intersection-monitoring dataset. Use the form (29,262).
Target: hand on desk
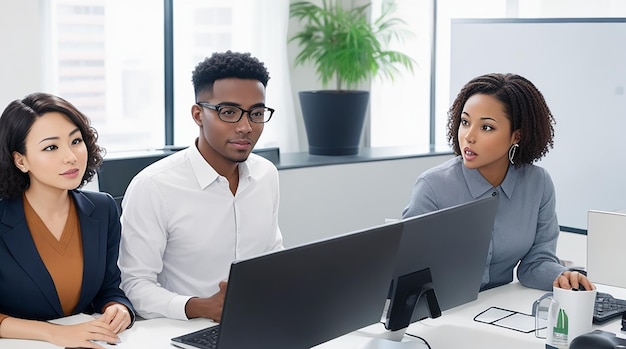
(74,331)
(209,307)
(573,280)
(117,317)
(83,335)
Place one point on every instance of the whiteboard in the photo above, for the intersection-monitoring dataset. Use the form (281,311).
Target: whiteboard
(580,67)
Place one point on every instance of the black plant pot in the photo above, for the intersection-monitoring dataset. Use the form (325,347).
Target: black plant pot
(334,120)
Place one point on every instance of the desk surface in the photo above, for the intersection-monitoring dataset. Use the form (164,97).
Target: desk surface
(459,321)
(453,327)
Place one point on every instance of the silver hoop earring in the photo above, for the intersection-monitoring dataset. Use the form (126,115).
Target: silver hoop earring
(512,151)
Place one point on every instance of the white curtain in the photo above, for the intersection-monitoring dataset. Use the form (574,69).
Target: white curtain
(270,46)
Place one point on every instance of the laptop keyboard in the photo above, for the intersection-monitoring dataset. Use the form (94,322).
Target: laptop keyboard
(607,307)
(205,338)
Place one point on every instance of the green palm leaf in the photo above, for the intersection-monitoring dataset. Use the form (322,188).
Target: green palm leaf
(343,45)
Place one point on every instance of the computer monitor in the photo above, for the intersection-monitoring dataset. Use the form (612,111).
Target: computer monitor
(440,262)
(306,295)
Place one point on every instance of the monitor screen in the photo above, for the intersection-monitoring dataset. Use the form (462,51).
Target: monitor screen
(309,294)
(440,262)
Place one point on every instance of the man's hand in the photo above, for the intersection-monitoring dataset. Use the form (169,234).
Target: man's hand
(210,307)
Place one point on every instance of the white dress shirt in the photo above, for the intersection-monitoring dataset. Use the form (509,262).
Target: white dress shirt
(182,228)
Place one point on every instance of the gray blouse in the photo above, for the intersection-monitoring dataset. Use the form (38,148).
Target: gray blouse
(525,229)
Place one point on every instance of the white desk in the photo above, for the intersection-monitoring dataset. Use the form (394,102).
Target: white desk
(457,325)
(454,327)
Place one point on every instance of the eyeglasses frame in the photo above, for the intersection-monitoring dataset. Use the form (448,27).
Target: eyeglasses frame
(218,107)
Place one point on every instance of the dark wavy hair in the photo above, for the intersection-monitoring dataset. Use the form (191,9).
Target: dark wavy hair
(524,106)
(227,65)
(15,124)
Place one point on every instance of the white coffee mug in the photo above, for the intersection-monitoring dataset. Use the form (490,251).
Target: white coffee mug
(570,314)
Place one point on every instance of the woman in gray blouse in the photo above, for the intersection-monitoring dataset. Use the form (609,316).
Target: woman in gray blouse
(498,125)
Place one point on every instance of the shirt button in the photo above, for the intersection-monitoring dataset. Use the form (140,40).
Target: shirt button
(494,193)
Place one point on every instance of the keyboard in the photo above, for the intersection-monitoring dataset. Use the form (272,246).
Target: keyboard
(607,307)
(205,338)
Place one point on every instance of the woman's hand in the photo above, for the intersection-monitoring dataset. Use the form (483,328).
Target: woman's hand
(117,317)
(573,280)
(83,335)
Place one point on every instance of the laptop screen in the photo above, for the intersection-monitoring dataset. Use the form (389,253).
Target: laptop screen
(306,295)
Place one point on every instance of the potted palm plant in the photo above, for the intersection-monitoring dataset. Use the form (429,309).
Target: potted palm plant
(348,49)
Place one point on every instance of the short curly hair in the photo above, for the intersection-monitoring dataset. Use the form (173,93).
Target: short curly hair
(227,65)
(524,106)
(15,124)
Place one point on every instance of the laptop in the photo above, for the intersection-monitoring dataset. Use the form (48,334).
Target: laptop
(449,248)
(606,239)
(306,295)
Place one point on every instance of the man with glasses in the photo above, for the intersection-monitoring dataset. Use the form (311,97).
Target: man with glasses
(186,217)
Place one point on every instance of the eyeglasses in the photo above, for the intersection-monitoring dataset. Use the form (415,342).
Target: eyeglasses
(232,114)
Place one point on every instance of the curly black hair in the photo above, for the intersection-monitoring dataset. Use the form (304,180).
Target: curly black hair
(15,124)
(524,106)
(227,65)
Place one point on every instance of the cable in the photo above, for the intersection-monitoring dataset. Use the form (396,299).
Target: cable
(412,335)
(420,338)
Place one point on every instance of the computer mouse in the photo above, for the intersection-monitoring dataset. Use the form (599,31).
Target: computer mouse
(598,340)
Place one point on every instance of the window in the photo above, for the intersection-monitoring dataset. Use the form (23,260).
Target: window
(202,27)
(107,57)
(108,61)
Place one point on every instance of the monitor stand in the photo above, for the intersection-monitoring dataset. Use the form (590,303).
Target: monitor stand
(393,340)
(407,292)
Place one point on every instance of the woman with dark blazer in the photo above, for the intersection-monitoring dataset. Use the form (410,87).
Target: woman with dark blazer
(58,245)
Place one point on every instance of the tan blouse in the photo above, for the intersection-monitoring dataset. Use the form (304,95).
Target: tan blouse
(63,258)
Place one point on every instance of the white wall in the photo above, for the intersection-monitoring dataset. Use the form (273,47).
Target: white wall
(579,66)
(20,39)
(320,202)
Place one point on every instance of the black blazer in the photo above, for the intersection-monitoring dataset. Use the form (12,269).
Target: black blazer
(26,288)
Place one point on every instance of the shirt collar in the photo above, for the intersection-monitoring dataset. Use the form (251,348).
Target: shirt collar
(205,174)
(478,185)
